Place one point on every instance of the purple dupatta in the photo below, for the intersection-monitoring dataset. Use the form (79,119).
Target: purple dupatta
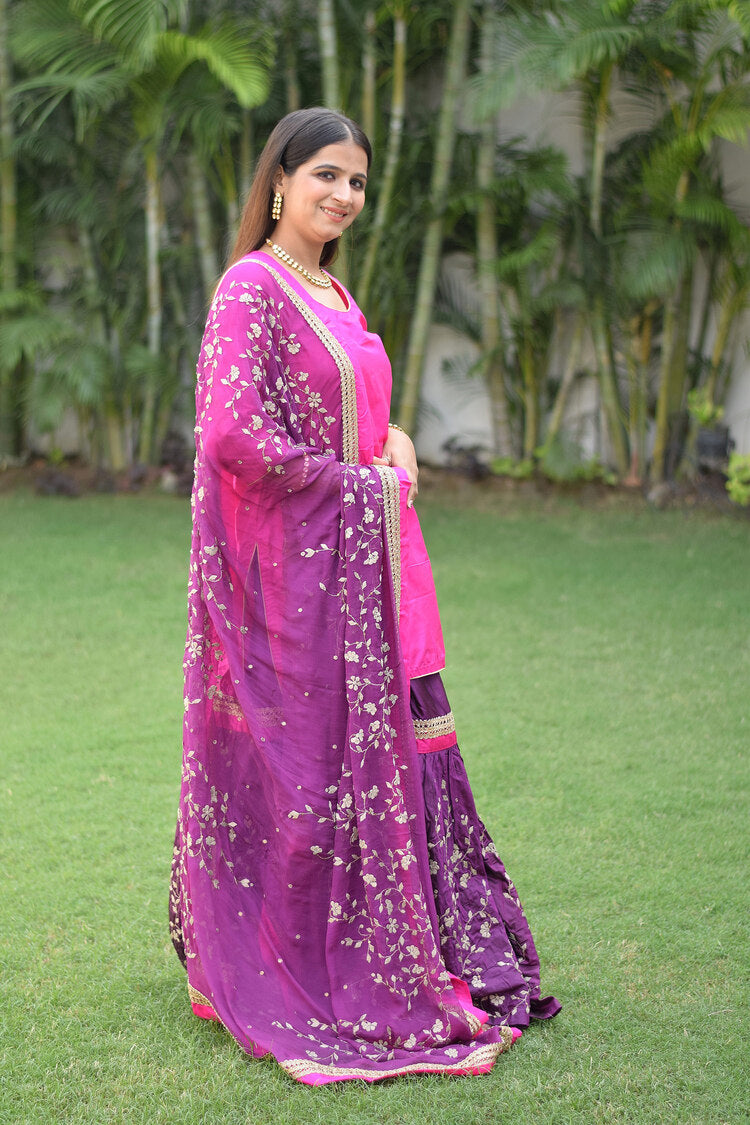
(301,900)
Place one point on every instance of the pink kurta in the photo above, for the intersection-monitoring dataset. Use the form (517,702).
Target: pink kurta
(419,620)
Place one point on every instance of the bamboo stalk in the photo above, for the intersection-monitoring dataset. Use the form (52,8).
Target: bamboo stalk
(204,236)
(154,301)
(566,383)
(600,327)
(367,117)
(487,256)
(8,202)
(328,53)
(291,77)
(12,383)
(430,260)
(395,132)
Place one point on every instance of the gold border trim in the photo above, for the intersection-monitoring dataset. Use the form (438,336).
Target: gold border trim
(350,437)
(435,728)
(482,1056)
(197,997)
(392,522)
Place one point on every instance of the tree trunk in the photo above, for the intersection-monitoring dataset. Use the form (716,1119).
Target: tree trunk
(731,308)
(430,261)
(566,383)
(329,59)
(395,132)
(291,77)
(154,302)
(204,235)
(600,327)
(639,354)
(367,115)
(8,216)
(668,349)
(487,256)
(246,154)
(12,383)
(661,436)
(608,385)
(682,344)
(599,149)
(114,446)
(530,394)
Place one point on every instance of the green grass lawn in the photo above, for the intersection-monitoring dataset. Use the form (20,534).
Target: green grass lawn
(599,670)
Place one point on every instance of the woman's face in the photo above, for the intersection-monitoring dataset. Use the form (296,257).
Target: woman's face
(324,195)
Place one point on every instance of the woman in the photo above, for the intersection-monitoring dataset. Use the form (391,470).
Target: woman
(335,898)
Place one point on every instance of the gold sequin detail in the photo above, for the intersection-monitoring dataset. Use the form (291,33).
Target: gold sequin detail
(435,728)
(392,523)
(350,438)
(224,703)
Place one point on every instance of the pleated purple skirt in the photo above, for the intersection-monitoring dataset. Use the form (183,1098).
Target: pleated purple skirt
(484,935)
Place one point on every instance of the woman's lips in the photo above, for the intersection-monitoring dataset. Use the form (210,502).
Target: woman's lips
(337,216)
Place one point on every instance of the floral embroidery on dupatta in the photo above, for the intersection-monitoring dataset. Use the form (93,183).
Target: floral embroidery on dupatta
(301,897)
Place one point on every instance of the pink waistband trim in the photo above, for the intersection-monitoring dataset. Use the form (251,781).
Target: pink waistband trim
(442,742)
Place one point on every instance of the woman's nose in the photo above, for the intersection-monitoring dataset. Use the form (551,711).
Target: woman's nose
(342,190)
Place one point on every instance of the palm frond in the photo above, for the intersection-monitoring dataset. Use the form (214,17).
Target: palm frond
(142,365)
(551,51)
(712,212)
(456,301)
(652,261)
(131,26)
(209,114)
(536,252)
(64,61)
(68,204)
(726,115)
(565,292)
(26,300)
(31,335)
(739,10)
(666,165)
(91,93)
(82,370)
(241,64)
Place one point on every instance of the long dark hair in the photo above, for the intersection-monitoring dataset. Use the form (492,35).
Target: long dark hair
(295,139)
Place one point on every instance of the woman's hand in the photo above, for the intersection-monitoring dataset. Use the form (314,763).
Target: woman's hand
(398,451)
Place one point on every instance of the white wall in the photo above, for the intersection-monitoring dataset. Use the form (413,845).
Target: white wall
(555,119)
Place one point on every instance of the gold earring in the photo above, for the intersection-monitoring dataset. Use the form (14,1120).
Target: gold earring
(278,199)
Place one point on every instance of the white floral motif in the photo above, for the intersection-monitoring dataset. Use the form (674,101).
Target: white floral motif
(377,900)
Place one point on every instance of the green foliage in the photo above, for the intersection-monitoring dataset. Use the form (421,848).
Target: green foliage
(561,460)
(105,89)
(738,478)
(509,467)
(702,407)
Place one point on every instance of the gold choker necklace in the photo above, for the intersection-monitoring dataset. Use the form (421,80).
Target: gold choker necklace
(323,282)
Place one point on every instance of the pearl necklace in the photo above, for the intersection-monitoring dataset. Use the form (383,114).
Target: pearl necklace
(323,282)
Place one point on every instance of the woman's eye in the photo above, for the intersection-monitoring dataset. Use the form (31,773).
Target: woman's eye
(358,184)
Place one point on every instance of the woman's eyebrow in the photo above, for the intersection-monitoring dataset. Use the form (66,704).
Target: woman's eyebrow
(335,168)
